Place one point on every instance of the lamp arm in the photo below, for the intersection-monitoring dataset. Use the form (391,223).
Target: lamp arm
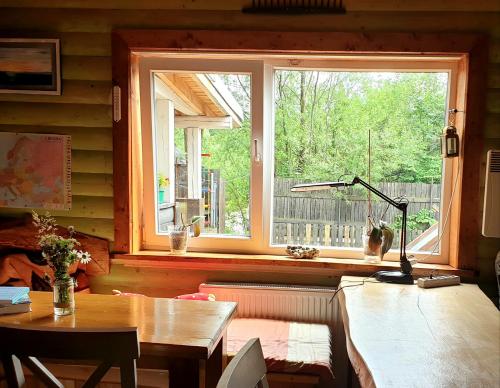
(397,205)
(404,263)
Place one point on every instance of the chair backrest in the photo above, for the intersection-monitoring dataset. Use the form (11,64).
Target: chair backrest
(247,369)
(109,347)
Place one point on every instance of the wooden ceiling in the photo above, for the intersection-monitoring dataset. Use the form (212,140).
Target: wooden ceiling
(196,94)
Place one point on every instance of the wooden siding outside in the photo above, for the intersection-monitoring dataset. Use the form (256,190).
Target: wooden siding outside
(84,110)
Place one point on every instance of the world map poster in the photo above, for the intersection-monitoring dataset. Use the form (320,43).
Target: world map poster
(35,171)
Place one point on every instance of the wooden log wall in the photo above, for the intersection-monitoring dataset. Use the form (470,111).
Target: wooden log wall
(84,108)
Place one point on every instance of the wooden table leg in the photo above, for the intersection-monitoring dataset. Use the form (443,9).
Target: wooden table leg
(190,373)
(183,373)
(211,369)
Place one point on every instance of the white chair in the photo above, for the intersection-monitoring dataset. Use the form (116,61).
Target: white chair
(247,369)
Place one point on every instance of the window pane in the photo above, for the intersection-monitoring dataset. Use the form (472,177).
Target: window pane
(323,123)
(202,135)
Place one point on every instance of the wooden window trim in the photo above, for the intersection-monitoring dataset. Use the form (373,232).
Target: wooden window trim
(464,225)
(270,263)
(262,68)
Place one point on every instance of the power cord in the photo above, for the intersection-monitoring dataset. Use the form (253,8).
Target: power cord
(358,283)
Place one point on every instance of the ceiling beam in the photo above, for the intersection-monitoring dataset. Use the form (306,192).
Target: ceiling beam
(225,122)
(184,92)
(162,91)
(221,96)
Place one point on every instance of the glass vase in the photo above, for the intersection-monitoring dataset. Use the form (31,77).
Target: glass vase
(179,241)
(64,297)
(370,256)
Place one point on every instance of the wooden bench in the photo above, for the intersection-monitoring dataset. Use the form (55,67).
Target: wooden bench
(295,352)
(295,326)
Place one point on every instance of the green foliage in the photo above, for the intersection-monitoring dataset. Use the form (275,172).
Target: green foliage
(421,220)
(230,154)
(229,151)
(322,122)
(183,226)
(163,181)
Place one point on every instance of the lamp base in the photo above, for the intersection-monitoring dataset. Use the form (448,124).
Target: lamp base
(394,277)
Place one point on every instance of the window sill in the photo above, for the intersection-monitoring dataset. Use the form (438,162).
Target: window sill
(268,263)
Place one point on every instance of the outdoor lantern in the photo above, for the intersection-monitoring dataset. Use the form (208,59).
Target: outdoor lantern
(449,142)
(449,139)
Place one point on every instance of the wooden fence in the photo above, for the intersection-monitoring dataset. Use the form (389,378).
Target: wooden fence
(339,219)
(341,235)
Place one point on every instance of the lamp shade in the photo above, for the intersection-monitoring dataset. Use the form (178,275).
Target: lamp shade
(319,186)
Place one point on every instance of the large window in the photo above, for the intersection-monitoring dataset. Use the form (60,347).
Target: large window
(381,126)
(227,136)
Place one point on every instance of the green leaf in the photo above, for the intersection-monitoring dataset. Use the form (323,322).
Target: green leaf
(195,219)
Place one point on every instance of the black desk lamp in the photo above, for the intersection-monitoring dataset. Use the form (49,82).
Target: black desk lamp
(401,277)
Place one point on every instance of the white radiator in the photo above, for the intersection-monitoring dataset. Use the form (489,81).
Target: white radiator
(491,212)
(274,301)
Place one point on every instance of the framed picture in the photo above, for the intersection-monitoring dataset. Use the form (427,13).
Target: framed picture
(30,66)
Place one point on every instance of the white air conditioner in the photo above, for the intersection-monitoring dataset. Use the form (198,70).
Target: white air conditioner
(491,211)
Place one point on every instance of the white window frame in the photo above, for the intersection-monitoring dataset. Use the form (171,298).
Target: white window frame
(223,243)
(261,67)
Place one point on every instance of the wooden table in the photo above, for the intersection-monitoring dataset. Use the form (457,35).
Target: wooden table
(185,337)
(406,336)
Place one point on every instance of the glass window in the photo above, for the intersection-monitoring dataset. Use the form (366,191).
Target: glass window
(226,136)
(381,126)
(202,149)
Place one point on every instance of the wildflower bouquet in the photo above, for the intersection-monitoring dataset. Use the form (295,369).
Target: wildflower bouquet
(59,252)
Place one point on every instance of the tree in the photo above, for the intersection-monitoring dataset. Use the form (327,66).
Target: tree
(322,119)
(404,111)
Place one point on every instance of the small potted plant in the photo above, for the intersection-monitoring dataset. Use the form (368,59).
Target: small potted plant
(163,183)
(179,234)
(60,253)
